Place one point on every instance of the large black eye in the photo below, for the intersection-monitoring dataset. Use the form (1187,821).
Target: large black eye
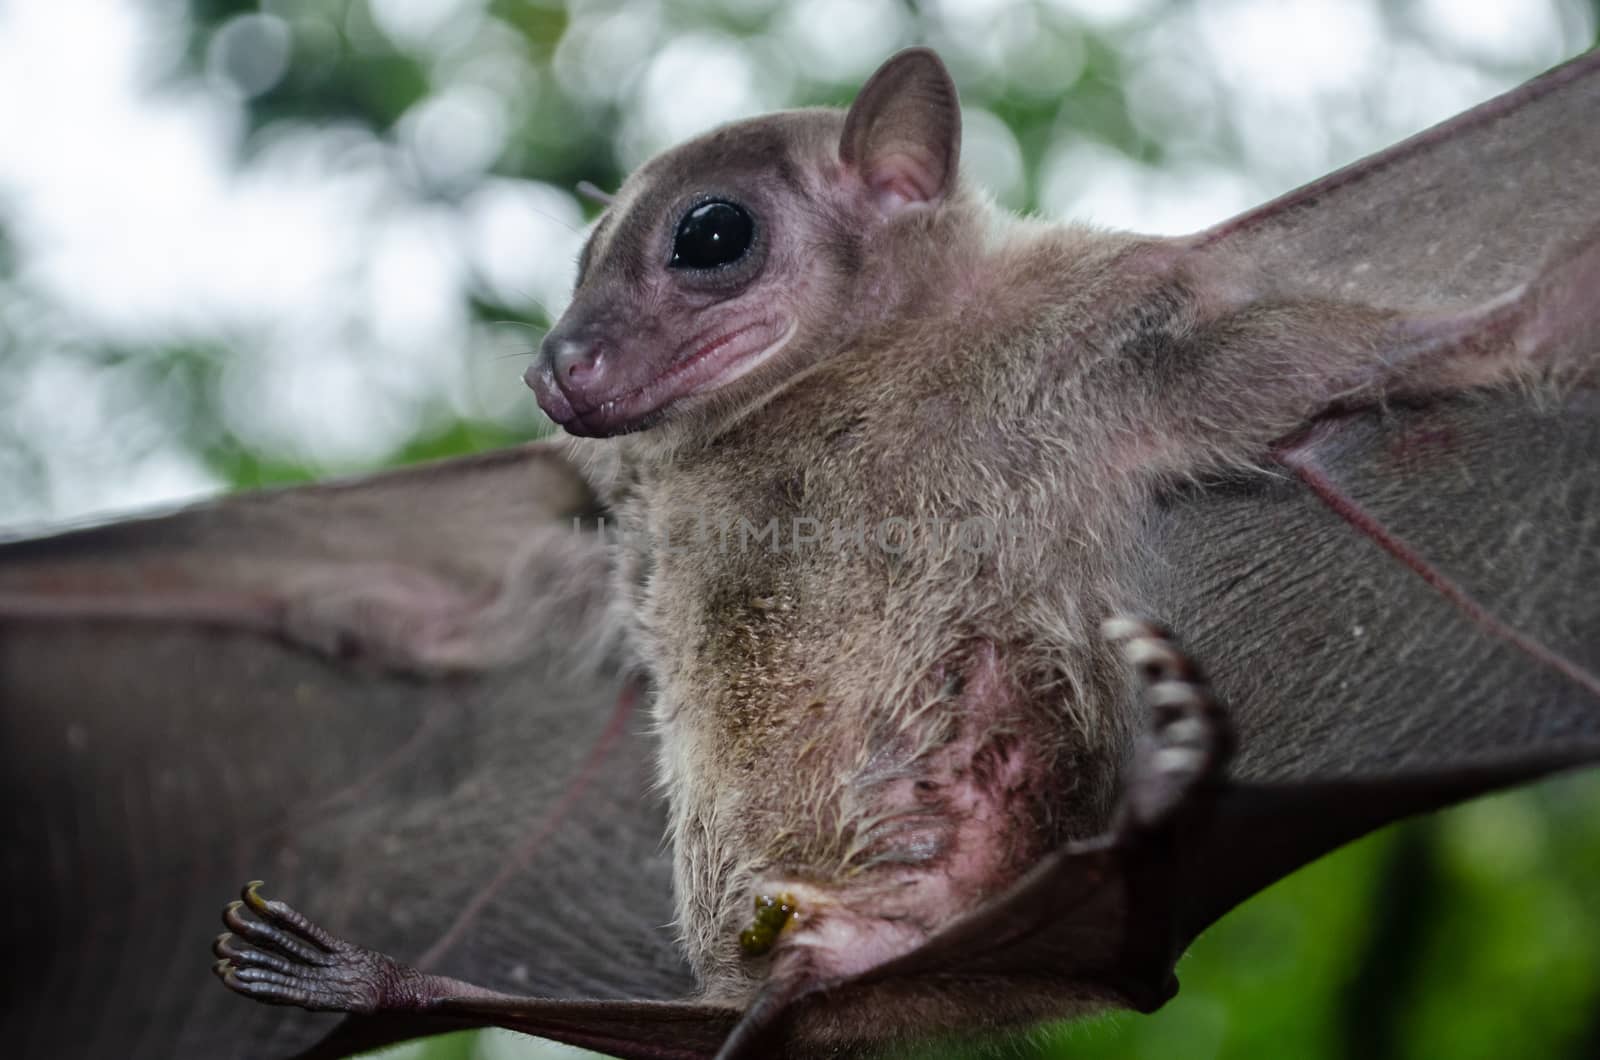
(712,234)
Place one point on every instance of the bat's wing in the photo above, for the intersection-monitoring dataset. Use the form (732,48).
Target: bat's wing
(1364,686)
(1407,624)
(343,689)
(1450,217)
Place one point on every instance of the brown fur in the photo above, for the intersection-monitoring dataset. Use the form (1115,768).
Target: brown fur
(950,363)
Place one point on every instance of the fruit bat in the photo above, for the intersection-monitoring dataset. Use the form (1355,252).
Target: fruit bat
(1351,474)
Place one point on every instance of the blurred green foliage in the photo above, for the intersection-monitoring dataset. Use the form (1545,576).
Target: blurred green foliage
(1476,934)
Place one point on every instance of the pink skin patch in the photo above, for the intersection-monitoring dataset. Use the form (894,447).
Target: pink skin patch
(707,362)
(979,788)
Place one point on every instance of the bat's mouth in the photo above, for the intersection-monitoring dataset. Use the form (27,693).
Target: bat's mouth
(708,362)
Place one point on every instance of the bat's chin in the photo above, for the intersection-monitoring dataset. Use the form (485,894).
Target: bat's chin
(701,367)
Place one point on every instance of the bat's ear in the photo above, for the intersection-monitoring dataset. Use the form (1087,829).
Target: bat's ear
(903,133)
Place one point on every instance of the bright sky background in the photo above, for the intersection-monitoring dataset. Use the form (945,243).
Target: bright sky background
(342,289)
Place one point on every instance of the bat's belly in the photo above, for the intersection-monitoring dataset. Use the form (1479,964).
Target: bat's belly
(930,814)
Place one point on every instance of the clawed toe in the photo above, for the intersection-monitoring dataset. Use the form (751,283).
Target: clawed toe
(275,954)
(1188,742)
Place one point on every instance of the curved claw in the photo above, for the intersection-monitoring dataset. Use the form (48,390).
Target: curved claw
(275,954)
(281,927)
(251,894)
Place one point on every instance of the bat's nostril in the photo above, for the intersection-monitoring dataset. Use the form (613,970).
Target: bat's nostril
(575,360)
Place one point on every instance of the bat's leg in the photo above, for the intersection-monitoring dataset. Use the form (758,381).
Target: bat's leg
(1185,750)
(278,956)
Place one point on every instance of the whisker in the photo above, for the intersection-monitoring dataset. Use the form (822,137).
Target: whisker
(594,194)
(547,215)
(539,331)
(528,296)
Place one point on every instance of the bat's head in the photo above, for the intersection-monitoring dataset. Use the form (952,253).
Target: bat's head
(728,265)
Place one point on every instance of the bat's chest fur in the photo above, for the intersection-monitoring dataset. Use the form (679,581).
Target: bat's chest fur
(877,688)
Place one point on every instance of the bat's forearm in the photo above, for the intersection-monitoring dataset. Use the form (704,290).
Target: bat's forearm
(1219,391)
(407,617)
(1548,327)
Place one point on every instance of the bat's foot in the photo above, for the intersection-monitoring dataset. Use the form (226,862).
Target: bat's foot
(1185,750)
(273,953)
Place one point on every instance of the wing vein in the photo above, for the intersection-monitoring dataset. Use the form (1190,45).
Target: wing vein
(1346,507)
(540,831)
